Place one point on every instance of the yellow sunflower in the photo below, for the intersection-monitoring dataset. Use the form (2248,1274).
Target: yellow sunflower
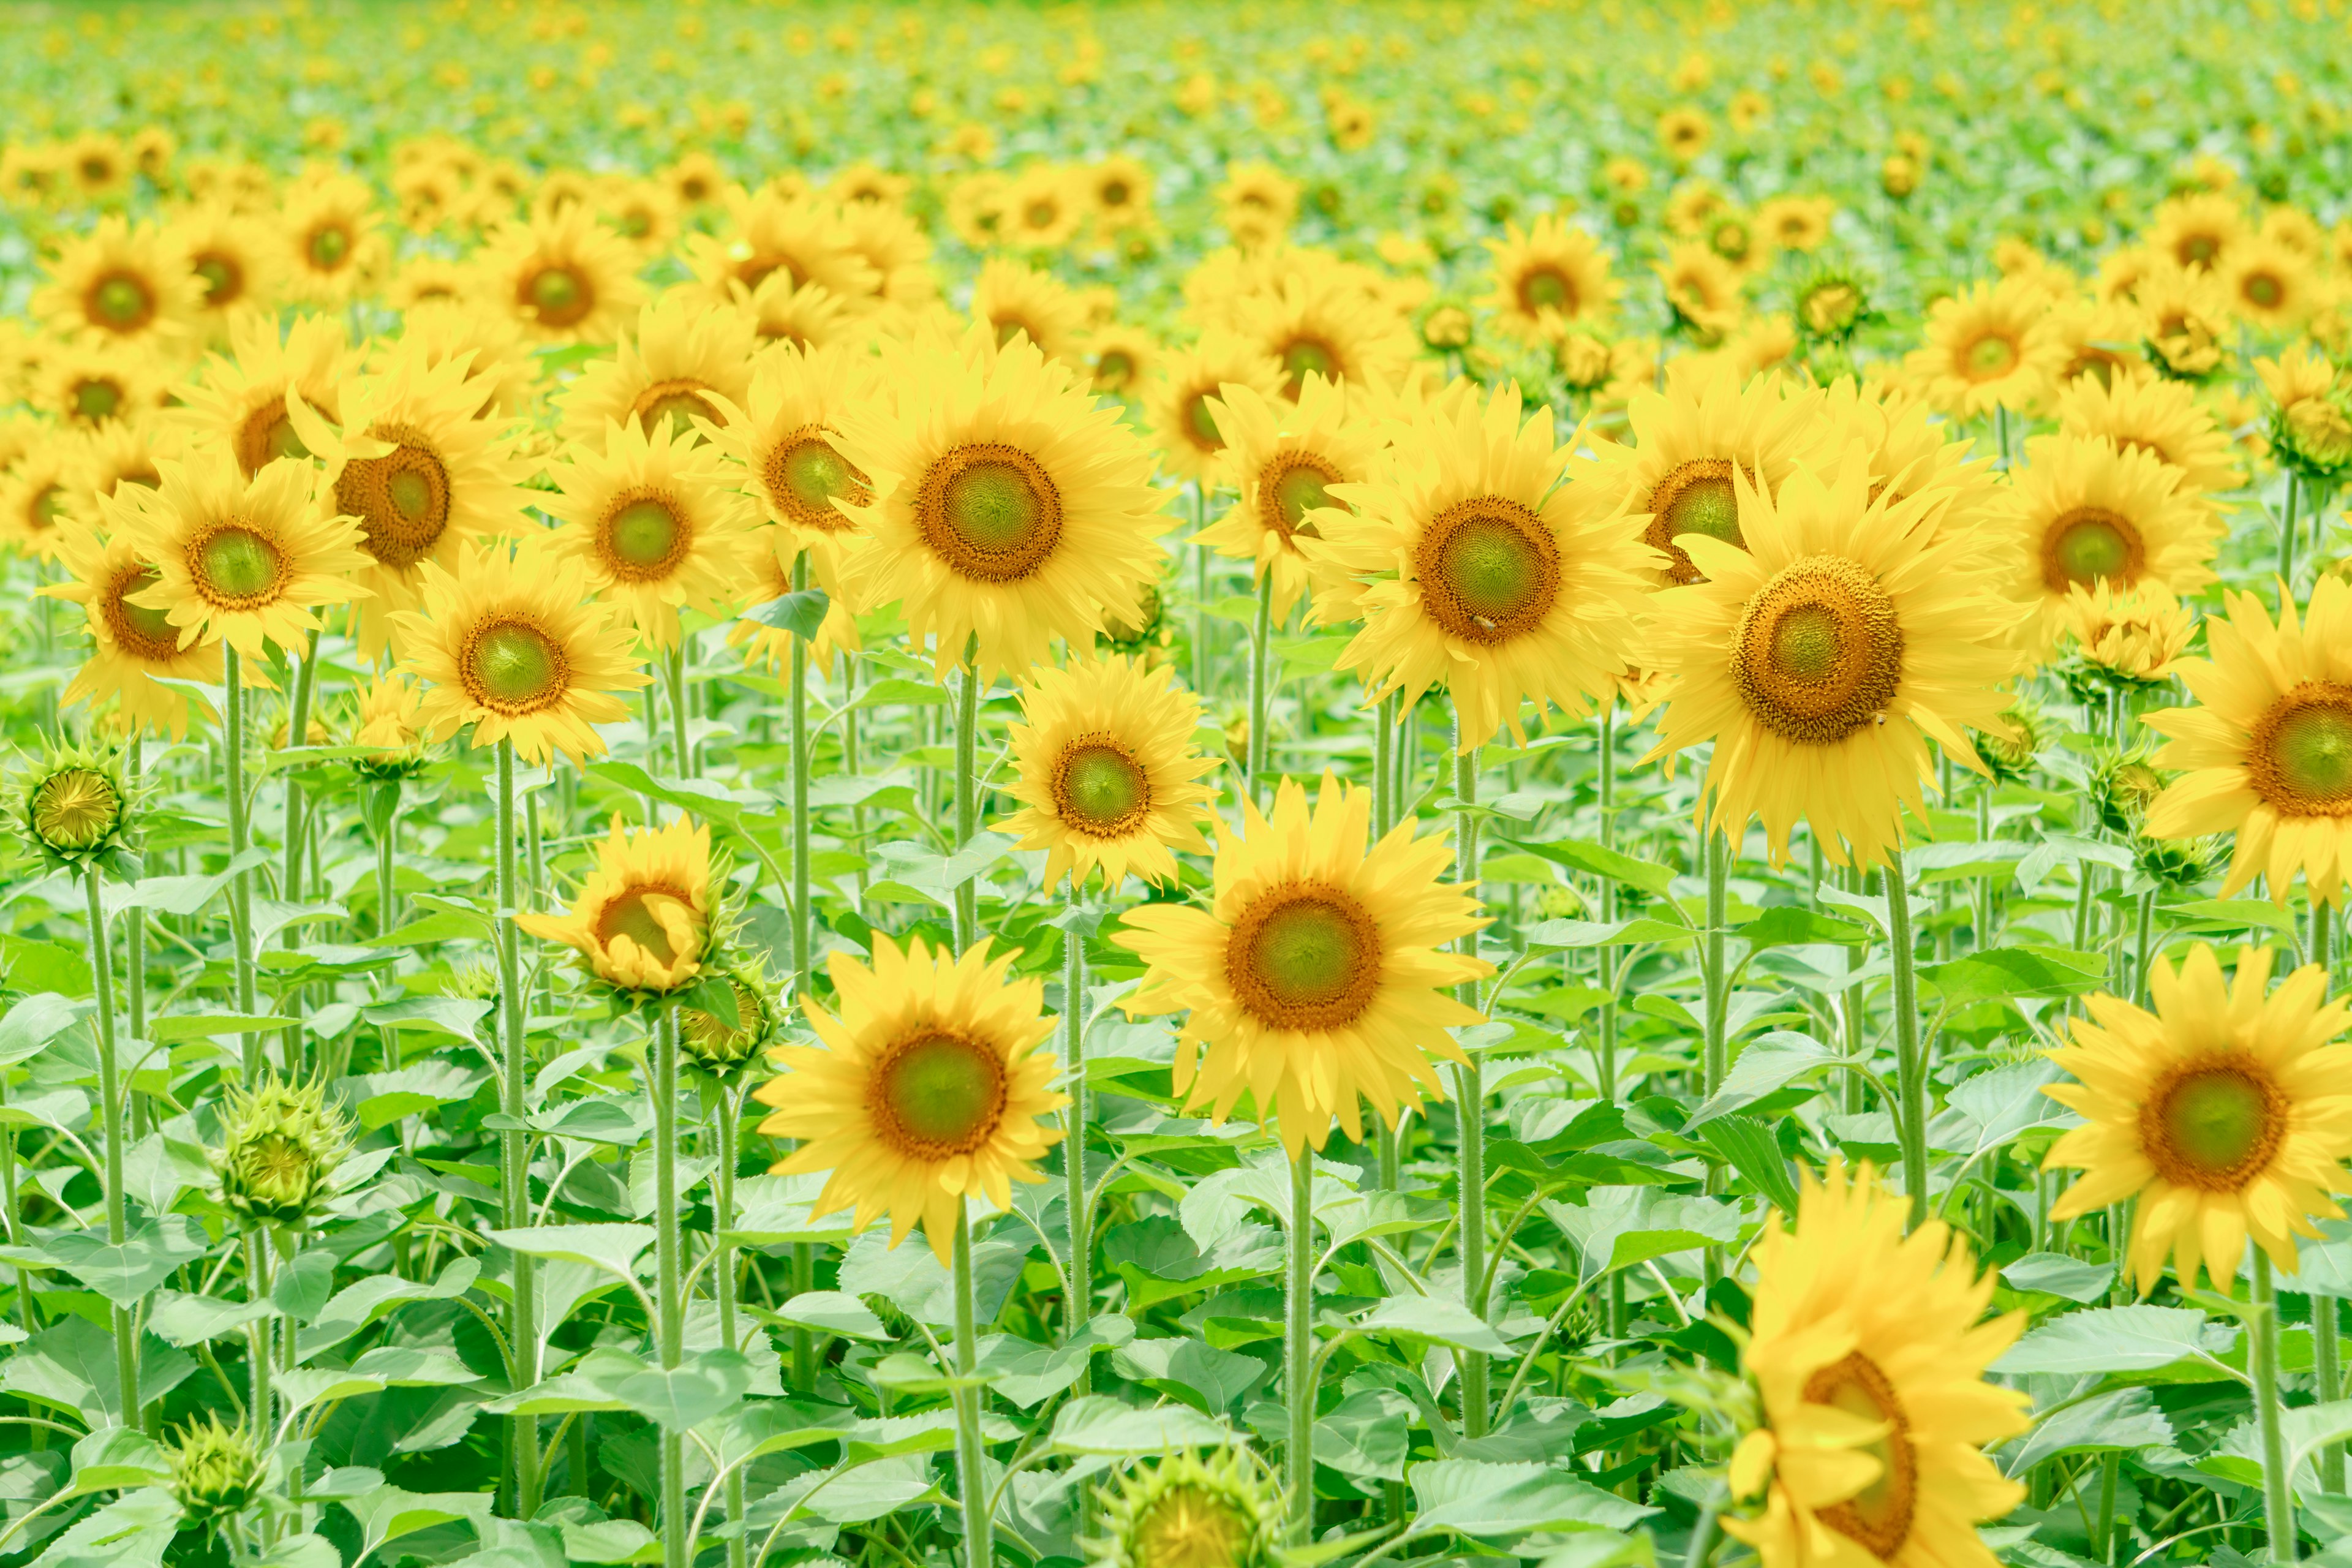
(1321,320)
(1796,223)
(642,212)
(118,453)
(894,246)
(1008,505)
(1043,208)
(928,1088)
(2138,410)
(562,277)
(2185,320)
(89,385)
(2100,340)
(802,315)
(2267,754)
(511,644)
(655,519)
(775,232)
(1256,205)
(388,713)
(1122,358)
(328,240)
(1988,348)
(1874,1404)
(1318,977)
(2197,233)
(2269,286)
(641,920)
(238,401)
(2080,510)
(490,345)
(1909,453)
(118,284)
(1281,460)
(1181,404)
(1105,774)
(37,494)
(1823,655)
(2222,1111)
(244,561)
(1547,278)
(1013,301)
(1704,290)
(667,371)
(132,645)
(1120,190)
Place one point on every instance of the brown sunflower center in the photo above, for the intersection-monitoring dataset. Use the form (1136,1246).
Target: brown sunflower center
(1191,1527)
(936,1095)
(235,568)
(1114,370)
(1695,497)
(556,294)
(96,397)
(267,435)
(990,512)
(2199,249)
(74,808)
(1100,789)
(645,537)
(1201,420)
(42,512)
(680,401)
(1488,569)
(1545,288)
(1305,956)
(2213,1122)
(1303,356)
(806,475)
(2264,290)
(401,499)
(1291,485)
(1990,356)
(2300,759)
(328,246)
(630,913)
(2089,544)
(119,302)
(512,667)
(1878,1517)
(137,630)
(1818,651)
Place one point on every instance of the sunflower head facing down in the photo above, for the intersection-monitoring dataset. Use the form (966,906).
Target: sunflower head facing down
(1873,1406)
(644,921)
(1317,979)
(927,1089)
(1107,776)
(2224,1110)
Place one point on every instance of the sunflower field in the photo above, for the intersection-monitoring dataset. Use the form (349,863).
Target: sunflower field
(1175,784)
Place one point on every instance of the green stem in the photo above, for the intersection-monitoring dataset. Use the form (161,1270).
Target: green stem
(1387,1136)
(1605,789)
(289,882)
(722,1220)
(2327,1341)
(2286,544)
(2139,962)
(967,745)
(109,1092)
(1200,590)
(134,943)
(669,1273)
(240,884)
(514,1145)
(675,671)
(1261,641)
(803,938)
(1470,1100)
(387,843)
(972,1458)
(2278,1496)
(1081,1303)
(1856,1019)
(1911,1071)
(1298,1345)
(259,1336)
(1716,1047)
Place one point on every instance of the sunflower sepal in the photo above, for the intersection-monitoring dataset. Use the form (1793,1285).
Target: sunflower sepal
(76,812)
(728,1018)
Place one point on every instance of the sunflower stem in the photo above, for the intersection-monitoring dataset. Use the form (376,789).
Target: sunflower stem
(514,1147)
(2287,525)
(1910,1070)
(240,882)
(1081,1303)
(804,976)
(1298,1344)
(1715,1061)
(674,673)
(1261,641)
(669,1272)
(2139,959)
(1470,1099)
(297,734)
(2278,1496)
(723,1276)
(1384,817)
(134,945)
(2327,1341)
(971,1458)
(1200,590)
(967,749)
(110,1093)
(1605,793)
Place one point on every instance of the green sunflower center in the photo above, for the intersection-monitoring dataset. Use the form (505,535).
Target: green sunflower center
(1989,357)
(1299,490)
(1488,569)
(1805,644)
(1201,423)
(643,534)
(1302,357)
(43,513)
(2300,757)
(2213,1123)
(123,302)
(1547,289)
(96,398)
(237,566)
(150,631)
(514,667)
(223,279)
(1695,497)
(990,512)
(328,246)
(2090,544)
(937,1095)
(1303,957)
(559,296)
(1818,651)
(806,475)
(1100,789)
(678,402)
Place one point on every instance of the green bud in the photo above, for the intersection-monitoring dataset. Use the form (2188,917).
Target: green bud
(279,1147)
(74,809)
(1183,1511)
(706,1040)
(216,1471)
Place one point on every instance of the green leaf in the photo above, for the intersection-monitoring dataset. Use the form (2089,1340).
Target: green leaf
(2055,1274)
(356,1306)
(676,1398)
(831,1312)
(212,1025)
(179,1319)
(1209,1380)
(1569,935)
(1583,855)
(306,1386)
(184,895)
(800,613)
(1787,925)
(2121,1421)
(455,1017)
(117,1459)
(34,1022)
(1617,1227)
(1441,1319)
(1750,1147)
(2130,1340)
(615,1249)
(1497,1502)
(387,1512)
(1765,1065)
(1097,1423)
(124,1272)
(2004,973)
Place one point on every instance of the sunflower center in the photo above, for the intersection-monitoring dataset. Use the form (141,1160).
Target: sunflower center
(1292,485)
(328,246)
(1305,957)
(645,539)
(2300,761)
(144,633)
(1100,789)
(680,401)
(1818,652)
(513,668)
(43,511)
(1191,1526)
(937,1095)
(1488,569)
(2213,1123)
(1545,288)
(2090,544)
(2199,249)
(268,434)
(2264,290)
(121,302)
(1695,497)
(1879,1516)
(74,808)
(1989,357)
(96,398)
(223,279)
(630,913)
(1114,370)
(557,295)
(235,568)
(1305,356)
(990,512)
(401,499)
(1201,423)
(806,475)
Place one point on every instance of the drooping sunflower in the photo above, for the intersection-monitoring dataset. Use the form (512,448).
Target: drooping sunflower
(1106,772)
(684,361)
(655,519)
(1281,461)
(1704,290)
(327,239)
(1690,440)
(1182,403)
(2137,409)
(2081,511)
(421,468)
(239,400)
(1988,348)
(132,645)
(1547,278)
(1317,977)
(563,277)
(132,287)
(244,561)
(2223,1112)
(928,1088)
(1008,505)
(1321,320)
(1014,301)
(2267,752)
(1823,657)
(775,231)
(1876,1410)
(512,645)
(642,922)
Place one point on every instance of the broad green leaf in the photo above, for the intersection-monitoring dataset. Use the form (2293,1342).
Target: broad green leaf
(1497,1502)
(32,1022)
(1209,1380)
(613,1247)
(1097,1423)
(2055,1274)
(388,1512)
(831,1312)
(1583,855)
(1765,1065)
(1438,1318)
(2124,1420)
(1749,1145)
(123,1272)
(2130,1340)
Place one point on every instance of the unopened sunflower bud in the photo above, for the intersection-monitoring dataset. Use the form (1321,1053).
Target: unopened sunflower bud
(2009,753)
(2123,789)
(74,809)
(215,1470)
(279,1147)
(710,1044)
(1187,1512)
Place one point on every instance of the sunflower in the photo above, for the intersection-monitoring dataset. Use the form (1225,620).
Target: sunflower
(1122,359)
(1988,348)
(2267,754)
(2186,321)
(2100,340)
(510,643)
(1684,133)
(2081,511)
(1256,205)
(928,1088)
(388,713)
(1042,209)
(562,277)
(2130,635)
(1909,452)
(641,920)
(1703,289)
(1007,505)
(1796,223)
(86,387)
(1106,772)
(327,238)
(667,371)
(1874,1406)
(37,494)
(695,180)
(2269,286)
(1322,319)
(653,518)
(1692,207)
(1317,978)
(774,232)
(2222,1111)
(118,453)
(118,284)
(891,243)
(1117,192)
(1547,278)
(98,167)
(488,344)
(1182,401)
(425,282)
(2140,411)
(2197,233)
(1281,460)
(1692,438)
(1822,656)
(237,402)
(805,315)
(1013,301)
(132,645)
(642,212)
